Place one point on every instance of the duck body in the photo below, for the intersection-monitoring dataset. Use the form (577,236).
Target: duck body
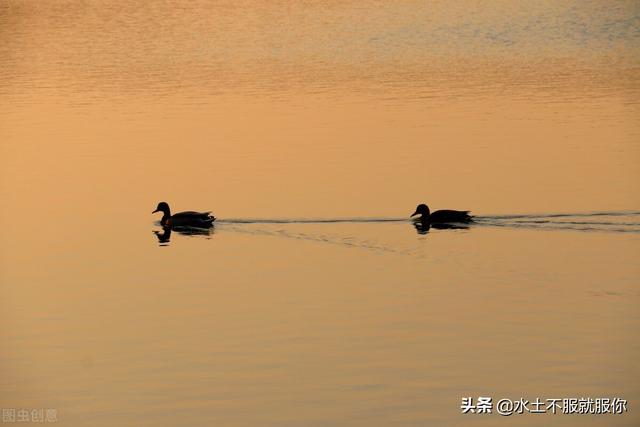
(189,219)
(443,216)
(184,219)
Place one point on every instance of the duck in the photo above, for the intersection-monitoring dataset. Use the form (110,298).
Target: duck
(184,219)
(442,216)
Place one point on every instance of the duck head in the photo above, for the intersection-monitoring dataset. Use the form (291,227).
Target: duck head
(423,211)
(164,208)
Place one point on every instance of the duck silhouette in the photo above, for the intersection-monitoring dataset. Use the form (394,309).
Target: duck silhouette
(442,217)
(184,219)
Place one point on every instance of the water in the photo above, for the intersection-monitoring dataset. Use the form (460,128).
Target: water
(312,130)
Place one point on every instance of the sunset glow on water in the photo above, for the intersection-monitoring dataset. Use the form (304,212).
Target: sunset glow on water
(312,130)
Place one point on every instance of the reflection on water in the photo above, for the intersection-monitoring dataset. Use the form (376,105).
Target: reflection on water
(302,228)
(423,227)
(326,119)
(398,50)
(164,236)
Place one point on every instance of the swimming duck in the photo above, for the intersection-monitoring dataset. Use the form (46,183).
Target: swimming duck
(184,219)
(441,216)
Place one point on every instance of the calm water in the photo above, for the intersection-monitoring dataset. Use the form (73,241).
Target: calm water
(312,129)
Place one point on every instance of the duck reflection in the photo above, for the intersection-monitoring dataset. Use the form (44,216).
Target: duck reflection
(423,227)
(164,236)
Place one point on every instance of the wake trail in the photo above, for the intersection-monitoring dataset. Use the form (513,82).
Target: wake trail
(605,221)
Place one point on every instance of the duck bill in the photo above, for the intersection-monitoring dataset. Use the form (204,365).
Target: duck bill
(414,214)
(155,211)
